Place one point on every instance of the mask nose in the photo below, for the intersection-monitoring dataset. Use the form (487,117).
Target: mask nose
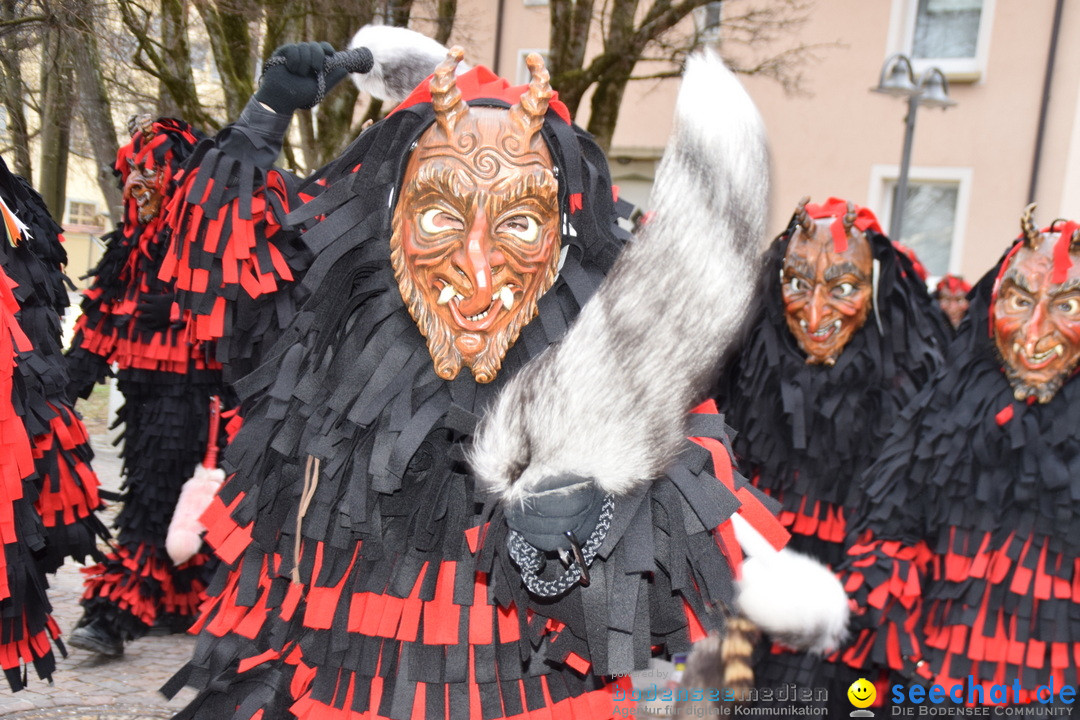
(475,262)
(816,309)
(1036,328)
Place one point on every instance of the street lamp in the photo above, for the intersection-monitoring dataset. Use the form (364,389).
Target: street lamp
(932,90)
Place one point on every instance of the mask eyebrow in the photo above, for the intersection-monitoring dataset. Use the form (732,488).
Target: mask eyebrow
(444,182)
(537,184)
(1066,287)
(1019,280)
(839,270)
(798,266)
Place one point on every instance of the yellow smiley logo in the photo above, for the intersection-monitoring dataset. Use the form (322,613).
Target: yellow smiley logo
(862,693)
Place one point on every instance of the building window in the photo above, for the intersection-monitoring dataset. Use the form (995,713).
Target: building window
(950,34)
(946,29)
(934,213)
(83,213)
(524,77)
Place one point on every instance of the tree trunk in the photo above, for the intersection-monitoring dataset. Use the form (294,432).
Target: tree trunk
(173,74)
(334,117)
(571,21)
(231,42)
(57,99)
(444,22)
(619,46)
(18,129)
(96,113)
(176,55)
(605,105)
(398,12)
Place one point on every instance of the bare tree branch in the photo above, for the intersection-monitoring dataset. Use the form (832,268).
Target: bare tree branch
(754,36)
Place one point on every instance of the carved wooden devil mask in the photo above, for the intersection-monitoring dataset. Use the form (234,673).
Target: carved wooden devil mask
(1036,310)
(142,185)
(826,281)
(476,229)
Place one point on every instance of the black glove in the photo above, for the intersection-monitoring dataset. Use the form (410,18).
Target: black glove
(153,312)
(85,370)
(294,83)
(563,503)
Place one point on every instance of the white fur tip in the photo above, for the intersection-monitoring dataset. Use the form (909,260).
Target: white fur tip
(795,599)
(601,405)
(402,58)
(184,537)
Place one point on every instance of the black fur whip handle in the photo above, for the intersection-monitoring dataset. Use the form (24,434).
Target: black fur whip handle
(354,60)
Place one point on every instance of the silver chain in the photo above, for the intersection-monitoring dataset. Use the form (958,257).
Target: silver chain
(530,560)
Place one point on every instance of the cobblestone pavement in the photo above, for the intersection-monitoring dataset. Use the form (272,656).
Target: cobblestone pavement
(85,685)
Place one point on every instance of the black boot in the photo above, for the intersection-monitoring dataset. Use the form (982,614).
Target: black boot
(97,635)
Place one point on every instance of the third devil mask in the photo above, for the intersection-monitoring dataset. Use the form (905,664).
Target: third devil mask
(826,282)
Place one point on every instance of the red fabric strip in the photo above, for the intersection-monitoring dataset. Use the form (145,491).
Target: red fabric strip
(1062,261)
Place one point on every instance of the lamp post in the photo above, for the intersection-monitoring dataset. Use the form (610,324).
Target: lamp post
(932,90)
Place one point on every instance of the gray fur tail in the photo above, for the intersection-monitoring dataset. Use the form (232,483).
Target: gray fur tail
(402,59)
(610,401)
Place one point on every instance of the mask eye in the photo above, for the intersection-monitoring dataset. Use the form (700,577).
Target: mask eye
(843,290)
(524,227)
(797,285)
(1069,306)
(436,220)
(1016,302)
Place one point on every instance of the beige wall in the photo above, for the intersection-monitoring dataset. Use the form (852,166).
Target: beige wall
(84,250)
(829,143)
(81,241)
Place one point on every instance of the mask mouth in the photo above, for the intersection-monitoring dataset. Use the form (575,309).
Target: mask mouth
(822,333)
(479,322)
(450,298)
(1038,360)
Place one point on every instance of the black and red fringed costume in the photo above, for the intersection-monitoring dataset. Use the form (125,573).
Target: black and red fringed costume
(965,547)
(236,271)
(67,488)
(28,627)
(167,382)
(363,575)
(805,432)
(62,490)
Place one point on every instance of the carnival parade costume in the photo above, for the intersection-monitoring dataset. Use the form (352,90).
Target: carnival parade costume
(964,549)
(951,295)
(844,336)
(34,259)
(167,382)
(366,571)
(24,606)
(51,512)
(235,271)
(806,429)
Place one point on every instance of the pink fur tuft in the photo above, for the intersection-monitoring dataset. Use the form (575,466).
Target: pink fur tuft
(185,531)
